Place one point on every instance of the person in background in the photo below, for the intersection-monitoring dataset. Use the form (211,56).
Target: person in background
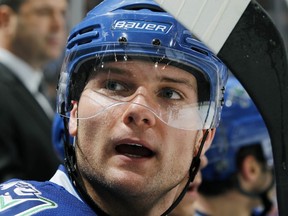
(141,111)
(32,32)
(52,69)
(238,179)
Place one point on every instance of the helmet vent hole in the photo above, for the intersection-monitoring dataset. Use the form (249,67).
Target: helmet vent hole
(153,8)
(199,51)
(84,41)
(83,36)
(89,29)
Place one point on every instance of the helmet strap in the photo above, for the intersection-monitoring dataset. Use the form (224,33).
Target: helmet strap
(192,173)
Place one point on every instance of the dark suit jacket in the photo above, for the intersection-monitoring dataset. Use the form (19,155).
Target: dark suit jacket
(26,149)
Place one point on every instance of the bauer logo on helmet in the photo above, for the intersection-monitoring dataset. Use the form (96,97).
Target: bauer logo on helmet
(141,25)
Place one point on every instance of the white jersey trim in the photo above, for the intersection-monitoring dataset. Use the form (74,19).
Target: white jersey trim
(60,178)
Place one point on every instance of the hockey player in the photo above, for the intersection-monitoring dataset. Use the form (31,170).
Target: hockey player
(142,98)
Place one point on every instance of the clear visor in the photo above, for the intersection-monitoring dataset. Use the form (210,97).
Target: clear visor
(172,94)
(188,117)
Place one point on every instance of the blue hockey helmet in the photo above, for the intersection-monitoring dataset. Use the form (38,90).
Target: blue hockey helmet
(241,125)
(119,31)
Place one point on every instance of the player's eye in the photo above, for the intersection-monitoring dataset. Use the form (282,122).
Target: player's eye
(170,94)
(114,85)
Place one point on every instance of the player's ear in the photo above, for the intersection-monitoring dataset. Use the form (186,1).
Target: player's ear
(250,169)
(249,173)
(208,140)
(73,119)
(7,18)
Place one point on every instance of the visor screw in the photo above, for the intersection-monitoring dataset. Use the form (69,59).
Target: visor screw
(156,42)
(122,40)
(222,101)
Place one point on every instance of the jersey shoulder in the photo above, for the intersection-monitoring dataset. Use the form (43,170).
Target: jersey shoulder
(18,197)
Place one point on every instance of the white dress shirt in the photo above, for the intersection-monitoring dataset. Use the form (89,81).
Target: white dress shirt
(30,77)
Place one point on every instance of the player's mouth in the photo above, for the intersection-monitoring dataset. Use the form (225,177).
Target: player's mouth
(134,150)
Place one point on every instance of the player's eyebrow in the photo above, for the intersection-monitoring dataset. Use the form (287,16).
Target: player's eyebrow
(184,81)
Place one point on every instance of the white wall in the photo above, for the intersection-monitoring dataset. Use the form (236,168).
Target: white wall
(76,12)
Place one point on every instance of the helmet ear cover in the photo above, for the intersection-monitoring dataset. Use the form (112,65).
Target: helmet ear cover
(86,70)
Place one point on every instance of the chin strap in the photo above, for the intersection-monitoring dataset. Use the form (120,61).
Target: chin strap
(192,173)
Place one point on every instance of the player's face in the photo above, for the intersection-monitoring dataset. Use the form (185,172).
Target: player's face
(126,148)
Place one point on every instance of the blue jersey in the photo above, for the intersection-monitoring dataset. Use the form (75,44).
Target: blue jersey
(54,197)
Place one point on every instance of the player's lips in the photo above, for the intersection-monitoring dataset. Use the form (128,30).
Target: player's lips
(134,149)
